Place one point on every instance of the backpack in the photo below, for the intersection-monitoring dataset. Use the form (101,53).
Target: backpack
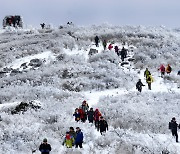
(170,125)
(97,115)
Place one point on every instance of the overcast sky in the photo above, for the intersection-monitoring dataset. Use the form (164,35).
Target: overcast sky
(87,12)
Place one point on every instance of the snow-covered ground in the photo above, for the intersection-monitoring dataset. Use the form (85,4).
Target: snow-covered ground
(65,75)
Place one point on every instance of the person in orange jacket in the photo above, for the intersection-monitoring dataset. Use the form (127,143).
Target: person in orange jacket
(168,69)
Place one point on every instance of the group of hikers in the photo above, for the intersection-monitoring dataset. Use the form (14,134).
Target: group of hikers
(83,113)
(122,52)
(149,78)
(12,21)
(73,138)
(162,69)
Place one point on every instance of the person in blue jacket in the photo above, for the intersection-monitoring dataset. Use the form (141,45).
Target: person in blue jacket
(79,138)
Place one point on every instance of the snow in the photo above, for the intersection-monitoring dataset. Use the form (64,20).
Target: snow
(138,122)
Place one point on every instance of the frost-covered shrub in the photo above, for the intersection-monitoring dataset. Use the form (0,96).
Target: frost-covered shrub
(137,122)
(141,112)
(107,56)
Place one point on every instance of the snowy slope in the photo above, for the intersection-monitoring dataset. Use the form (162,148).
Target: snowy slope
(64,75)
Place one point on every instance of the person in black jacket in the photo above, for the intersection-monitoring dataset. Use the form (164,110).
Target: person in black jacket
(42,25)
(139,85)
(173,126)
(45,148)
(123,53)
(96,39)
(103,126)
(116,50)
(90,114)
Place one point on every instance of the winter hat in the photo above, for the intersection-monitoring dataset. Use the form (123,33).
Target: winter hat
(44,140)
(71,128)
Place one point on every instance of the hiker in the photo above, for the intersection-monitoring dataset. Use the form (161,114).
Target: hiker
(104,44)
(146,73)
(168,69)
(45,148)
(82,114)
(149,80)
(162,70)
(173,127)
(13,21)
(72,132)
(90,115)
(79,138)
(42,25)
(68,140)
(110,46)
(77,114)
(178,73)
(85,108)
(139,85)
(123,53)
(97,116)
(116,50)
(96,39)
(103,126)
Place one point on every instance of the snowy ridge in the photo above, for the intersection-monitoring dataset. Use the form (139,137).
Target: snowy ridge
(68,75)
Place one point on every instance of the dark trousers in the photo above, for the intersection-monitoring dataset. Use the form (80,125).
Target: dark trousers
(149,86)
(79,144)
(101,131)
(96,124)
(162,74)
(91,121)
(122,58)
(174,133)
(140,89)
(96,44)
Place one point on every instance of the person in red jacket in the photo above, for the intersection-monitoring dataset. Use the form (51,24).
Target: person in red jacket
(97,116)
(162,70)
(110,46)
(81,112)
